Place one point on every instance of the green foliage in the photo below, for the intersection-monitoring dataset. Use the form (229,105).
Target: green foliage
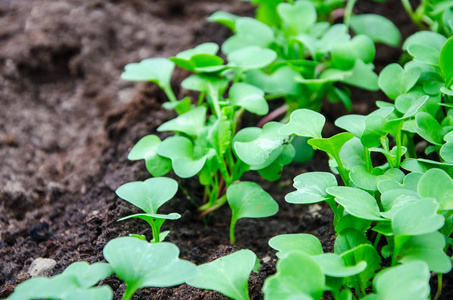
(141,264)
(78,280)
(228,274)
(249,200)
(149,196)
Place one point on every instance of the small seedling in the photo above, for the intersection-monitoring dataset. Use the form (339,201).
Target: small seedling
(150,195)
(141,264)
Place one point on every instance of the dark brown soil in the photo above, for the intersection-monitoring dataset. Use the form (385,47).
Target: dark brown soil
(67,122)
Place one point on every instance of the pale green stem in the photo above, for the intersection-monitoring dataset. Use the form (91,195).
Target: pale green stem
(439,286)
(348,12)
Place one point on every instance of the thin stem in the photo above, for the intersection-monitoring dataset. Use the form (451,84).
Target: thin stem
(376,241)
(201,98)
(232,226)
(439,286)
(348,12)
(273,115)
(398,148)
(129,292)
(205,210)
(342,170)
(369,164)
(156,236)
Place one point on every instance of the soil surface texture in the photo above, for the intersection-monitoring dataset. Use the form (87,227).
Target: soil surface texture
(67,123)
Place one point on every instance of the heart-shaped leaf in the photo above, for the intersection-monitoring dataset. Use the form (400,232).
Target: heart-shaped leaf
(263,148)
(331,145)
(249,200)
(88,275)
(141,264)
(425,54)
(394,80)
(281,81)
(146,148)
(190,123)
(378,28)
(355,124)
(249,97)
(249,32)
(297,242)
(344,55)
(437,184)
(407,281)
(181,152)
(228,275)
(304,122)
(298,17)
(311,187)
(157,70)
(150,194)
(428,128)
(356,202)
(428,248)
(252,57)
(298,276)
(417,218)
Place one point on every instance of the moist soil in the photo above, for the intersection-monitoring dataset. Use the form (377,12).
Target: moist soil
(67,123)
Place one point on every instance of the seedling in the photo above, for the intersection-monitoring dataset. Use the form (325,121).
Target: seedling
(150,195)
(141,264)
(228,275)
(76,282)
(249,200)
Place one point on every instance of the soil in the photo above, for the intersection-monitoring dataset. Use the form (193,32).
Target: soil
(67,123)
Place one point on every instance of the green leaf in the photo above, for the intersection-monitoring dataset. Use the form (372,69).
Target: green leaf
(249,32)
(333,265)
(190,123)
(150,194)
(407,281)
(297,242)
(304,122)
(181,106)
(96,293)
(281,81)
(298,17)
(363,252)
(417,218)
(263,148)
(424,54)
(369,181)
(378,28)
(362,76)
(437,184)
(200,59)
(355,124)
(428,128)
(224,18)
(394,80)
(180,150)
(446,152)
(249,97)
(252,57)
(157,70)
(88,275)
(331,145)
(205,83)
(446,62)
(428,248)
(228,275)
(356,202)
(249,200)
(297,275)
(348,239)
(428,38)
(45,288)
(311,187)
(360,47)
(146,148)
(395,199)
(140,264)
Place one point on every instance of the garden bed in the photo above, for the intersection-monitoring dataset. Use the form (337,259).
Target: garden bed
(69,121)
